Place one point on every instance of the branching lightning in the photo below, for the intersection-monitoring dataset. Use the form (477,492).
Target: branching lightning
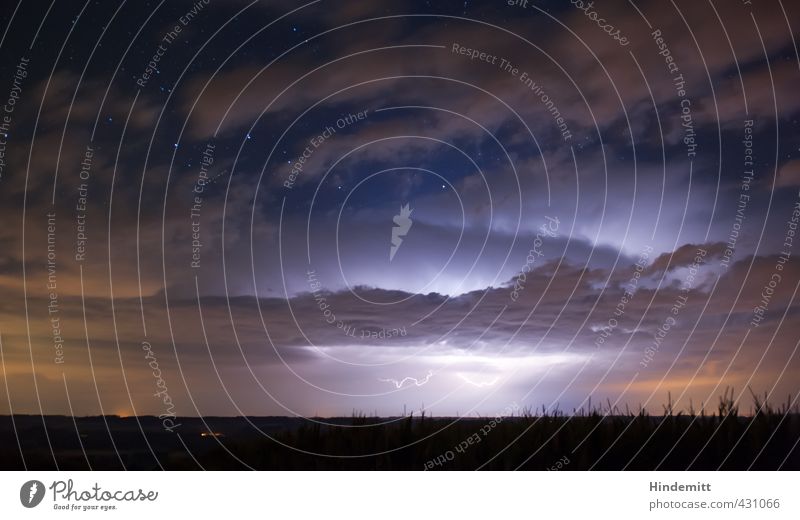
(413,380)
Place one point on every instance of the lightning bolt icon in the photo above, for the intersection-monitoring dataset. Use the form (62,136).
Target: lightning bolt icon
(32,494)
(402,224)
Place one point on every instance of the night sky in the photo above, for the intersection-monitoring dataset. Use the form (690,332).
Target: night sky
(277,208)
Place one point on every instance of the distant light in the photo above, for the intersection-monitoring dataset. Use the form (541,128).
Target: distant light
(479,384)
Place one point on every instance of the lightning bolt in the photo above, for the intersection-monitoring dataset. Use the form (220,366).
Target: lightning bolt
(34,487)
(402,224)
(480,384)
(414,380)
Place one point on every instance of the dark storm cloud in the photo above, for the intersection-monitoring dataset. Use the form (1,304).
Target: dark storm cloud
(580,49)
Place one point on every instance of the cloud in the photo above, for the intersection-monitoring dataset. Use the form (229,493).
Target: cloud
(789,174)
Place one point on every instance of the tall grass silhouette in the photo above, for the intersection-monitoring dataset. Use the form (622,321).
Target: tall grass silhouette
(596,437)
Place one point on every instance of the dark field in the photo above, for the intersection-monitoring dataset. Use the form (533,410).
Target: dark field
(765,439)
